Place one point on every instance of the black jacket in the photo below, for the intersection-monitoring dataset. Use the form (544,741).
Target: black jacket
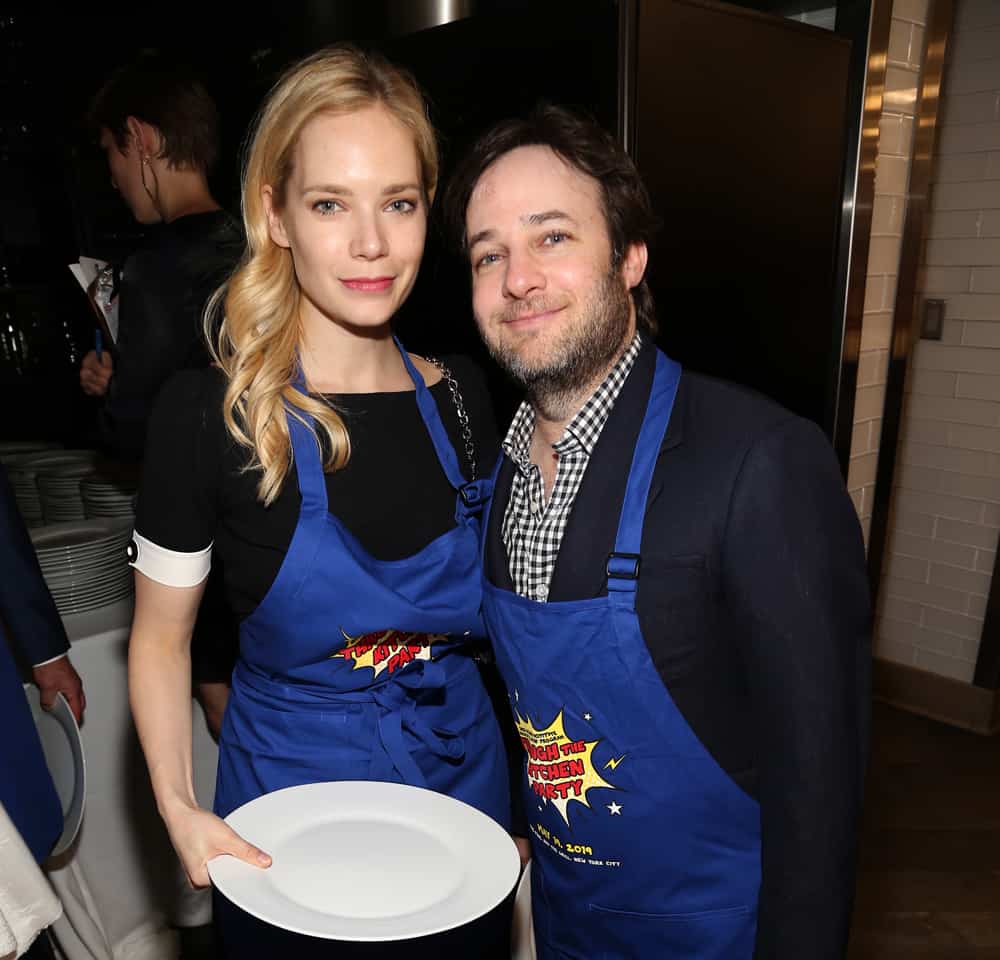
(161,296)
(753,602)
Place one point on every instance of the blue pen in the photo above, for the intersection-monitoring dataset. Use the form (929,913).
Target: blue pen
(98,343)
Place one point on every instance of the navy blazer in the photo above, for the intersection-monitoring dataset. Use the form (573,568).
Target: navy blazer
(753,602)
(29,618)
(28,613)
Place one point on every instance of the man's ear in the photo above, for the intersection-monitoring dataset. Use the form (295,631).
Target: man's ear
(275,226)
(633,266)
(144,137)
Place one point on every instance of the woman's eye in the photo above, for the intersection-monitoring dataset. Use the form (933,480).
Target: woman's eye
(326,206)
(402,206)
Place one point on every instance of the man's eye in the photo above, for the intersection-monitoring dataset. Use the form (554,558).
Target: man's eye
(486,260)
(556,236)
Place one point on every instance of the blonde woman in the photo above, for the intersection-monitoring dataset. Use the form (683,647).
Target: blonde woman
(334,475)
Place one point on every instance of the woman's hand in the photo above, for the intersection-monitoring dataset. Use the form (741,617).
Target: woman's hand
(198,835)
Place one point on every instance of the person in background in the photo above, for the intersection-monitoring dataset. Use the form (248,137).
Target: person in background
(335,476)
(28,615)
(675,589)
(158,127)
(32,634)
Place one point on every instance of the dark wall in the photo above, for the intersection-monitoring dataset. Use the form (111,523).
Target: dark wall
(741,123)
(55,188)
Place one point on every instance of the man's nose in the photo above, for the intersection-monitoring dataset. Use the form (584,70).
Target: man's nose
(523,276)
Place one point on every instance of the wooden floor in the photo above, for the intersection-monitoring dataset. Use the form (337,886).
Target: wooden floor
(929,873)
(929,877)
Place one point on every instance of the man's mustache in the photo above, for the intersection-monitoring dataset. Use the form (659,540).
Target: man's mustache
(526,308)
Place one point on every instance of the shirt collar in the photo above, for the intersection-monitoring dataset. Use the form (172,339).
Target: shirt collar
(517,443)
(585,428)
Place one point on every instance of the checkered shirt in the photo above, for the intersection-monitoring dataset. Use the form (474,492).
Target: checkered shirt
(533,528)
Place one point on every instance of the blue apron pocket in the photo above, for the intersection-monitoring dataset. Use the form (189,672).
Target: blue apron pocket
(726,934)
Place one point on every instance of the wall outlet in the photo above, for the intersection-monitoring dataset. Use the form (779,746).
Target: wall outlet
(932,321)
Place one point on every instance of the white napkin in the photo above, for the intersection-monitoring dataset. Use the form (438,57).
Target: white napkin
(27,903)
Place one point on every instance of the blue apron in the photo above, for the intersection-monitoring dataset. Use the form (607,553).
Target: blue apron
(642,846)
(26,788)
(353,668)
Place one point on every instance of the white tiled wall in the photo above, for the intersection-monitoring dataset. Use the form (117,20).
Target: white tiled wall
(906,51)
(946,501)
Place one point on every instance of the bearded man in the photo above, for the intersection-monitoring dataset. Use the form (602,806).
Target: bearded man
(674,585)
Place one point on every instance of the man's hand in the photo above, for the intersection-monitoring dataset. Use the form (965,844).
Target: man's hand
(213,698)
(523,845)
(95,375)
(56,677)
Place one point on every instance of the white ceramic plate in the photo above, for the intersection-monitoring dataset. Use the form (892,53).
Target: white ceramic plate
(77,534)
(63,751)
(359,860)
(11,448)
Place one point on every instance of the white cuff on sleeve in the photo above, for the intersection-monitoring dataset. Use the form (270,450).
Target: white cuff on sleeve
(45,663)
(169,567)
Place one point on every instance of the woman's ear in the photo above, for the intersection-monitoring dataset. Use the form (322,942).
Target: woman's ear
(275,226)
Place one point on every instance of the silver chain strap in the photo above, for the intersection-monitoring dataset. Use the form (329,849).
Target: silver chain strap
(463,417)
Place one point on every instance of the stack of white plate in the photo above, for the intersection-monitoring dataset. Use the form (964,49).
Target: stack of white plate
(84,563)
(26,495)
(13,448)
(59,490)
(107,496)
(64,499)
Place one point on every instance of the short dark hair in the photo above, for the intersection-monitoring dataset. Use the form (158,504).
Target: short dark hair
(586,147)
(168,95)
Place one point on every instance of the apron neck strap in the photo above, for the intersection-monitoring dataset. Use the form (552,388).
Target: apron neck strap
(309,465)
(432,420)
(623,562)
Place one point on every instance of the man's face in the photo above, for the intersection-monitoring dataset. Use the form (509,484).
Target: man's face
(549,305)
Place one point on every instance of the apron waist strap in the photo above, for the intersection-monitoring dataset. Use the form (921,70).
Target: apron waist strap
(399,700)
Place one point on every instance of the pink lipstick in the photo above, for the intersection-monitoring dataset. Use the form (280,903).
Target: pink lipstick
(367,284)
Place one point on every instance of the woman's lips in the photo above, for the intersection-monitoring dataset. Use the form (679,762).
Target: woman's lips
(368,284)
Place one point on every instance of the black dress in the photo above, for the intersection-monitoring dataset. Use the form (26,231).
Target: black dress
(393,496)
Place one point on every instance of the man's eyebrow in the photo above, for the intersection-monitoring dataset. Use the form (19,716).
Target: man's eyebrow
(534,219)
(529,220)
(480,237)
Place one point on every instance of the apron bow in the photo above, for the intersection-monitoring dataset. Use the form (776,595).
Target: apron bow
(398,702)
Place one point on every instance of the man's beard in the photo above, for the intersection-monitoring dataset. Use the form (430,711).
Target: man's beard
(583,352)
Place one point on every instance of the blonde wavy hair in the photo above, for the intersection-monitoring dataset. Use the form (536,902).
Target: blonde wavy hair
(257,340)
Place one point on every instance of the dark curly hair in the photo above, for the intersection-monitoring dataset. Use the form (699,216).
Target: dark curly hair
(586,147)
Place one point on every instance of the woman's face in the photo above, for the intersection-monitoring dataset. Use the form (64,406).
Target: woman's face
(353,217)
